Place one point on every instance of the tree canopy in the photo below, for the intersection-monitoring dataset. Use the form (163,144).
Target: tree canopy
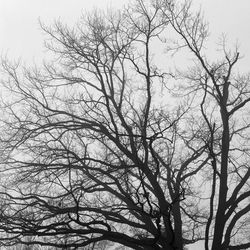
(110,144)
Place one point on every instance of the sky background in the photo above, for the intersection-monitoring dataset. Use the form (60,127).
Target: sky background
(21,36)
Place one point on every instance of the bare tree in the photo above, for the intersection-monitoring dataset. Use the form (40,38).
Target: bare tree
(223,95)
(93,153)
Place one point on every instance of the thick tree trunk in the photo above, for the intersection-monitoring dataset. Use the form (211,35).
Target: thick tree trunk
(177,226)
(220,220)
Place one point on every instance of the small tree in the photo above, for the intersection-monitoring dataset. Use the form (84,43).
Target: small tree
(92,153)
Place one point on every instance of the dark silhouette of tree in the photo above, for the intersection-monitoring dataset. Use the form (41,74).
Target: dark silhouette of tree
(223,95)
(95,150)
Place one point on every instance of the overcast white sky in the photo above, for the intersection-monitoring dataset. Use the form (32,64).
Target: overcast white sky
(20,35)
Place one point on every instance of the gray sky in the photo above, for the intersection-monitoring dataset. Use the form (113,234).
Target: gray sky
(20,35)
